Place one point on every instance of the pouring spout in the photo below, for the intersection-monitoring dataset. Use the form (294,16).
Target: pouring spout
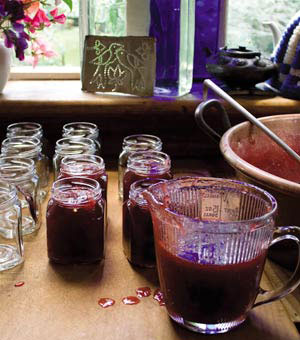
(275,31)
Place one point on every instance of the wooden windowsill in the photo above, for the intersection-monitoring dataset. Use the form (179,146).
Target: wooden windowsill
(55,102)
(68,94)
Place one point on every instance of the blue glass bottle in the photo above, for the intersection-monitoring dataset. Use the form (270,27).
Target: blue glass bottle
(209,33)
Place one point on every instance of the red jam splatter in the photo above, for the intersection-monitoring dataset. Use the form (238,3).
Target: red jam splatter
(19,284)
(159,297)
(131,300)
(143,292)
(106,302)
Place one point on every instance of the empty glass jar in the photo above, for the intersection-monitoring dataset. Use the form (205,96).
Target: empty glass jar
(133,143)
(21,173)
(83,130)
(11,248)
(71,146)
(29,147)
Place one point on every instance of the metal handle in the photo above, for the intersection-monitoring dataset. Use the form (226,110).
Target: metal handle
(293,282)
(200,112)
(210,84)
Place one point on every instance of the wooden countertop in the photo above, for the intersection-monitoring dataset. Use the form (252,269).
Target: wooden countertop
(60,302)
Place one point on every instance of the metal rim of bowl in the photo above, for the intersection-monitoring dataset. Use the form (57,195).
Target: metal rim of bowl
(265,178)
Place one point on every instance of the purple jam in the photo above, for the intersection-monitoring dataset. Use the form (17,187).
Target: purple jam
(75,227)
(138,240)
(207,293)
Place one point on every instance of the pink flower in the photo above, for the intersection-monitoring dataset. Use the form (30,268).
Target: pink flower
(61,19)
(39,48)
(41,19)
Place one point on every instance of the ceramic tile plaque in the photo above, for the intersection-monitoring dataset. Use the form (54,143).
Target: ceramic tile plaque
(119,64)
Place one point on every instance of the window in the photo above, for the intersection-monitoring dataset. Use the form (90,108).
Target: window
(244,27)
(245,22)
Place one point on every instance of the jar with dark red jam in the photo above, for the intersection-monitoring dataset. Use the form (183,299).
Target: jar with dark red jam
(90,166)
(134,143)
(145,164)
(71,146)
(138,239)
(75,221)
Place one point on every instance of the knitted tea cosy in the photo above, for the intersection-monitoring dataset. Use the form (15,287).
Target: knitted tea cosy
(287,56)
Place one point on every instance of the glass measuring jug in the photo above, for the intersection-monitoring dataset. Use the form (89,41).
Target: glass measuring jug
(211,239)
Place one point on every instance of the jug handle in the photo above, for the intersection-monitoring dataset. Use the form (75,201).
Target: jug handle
(29,199)
(205,107)
(294,280)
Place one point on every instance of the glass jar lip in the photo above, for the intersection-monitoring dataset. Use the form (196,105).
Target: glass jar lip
(69,126)
(138,187)
(142,142)
(66,144)
(10,163)
(64,184)
(31,144)
(149,162)
(35,126)
(68,162)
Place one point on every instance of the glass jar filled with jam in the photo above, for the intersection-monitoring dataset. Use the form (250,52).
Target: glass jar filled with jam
(138,240)
(21,173)
(29,147)
(145,164)
(71,146)
(131,144)
(75,221)
(83,130)
(90,166)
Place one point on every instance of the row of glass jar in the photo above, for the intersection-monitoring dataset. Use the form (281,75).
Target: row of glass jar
(74,157)
(24,176)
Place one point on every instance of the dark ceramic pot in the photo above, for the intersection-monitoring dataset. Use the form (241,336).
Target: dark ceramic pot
(240,67)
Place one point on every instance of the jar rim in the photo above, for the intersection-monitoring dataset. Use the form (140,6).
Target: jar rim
(67,126)
(13,164)
(63,185)
(149,162)
(30,146)
(37,127)
(81,158)
(142,141)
